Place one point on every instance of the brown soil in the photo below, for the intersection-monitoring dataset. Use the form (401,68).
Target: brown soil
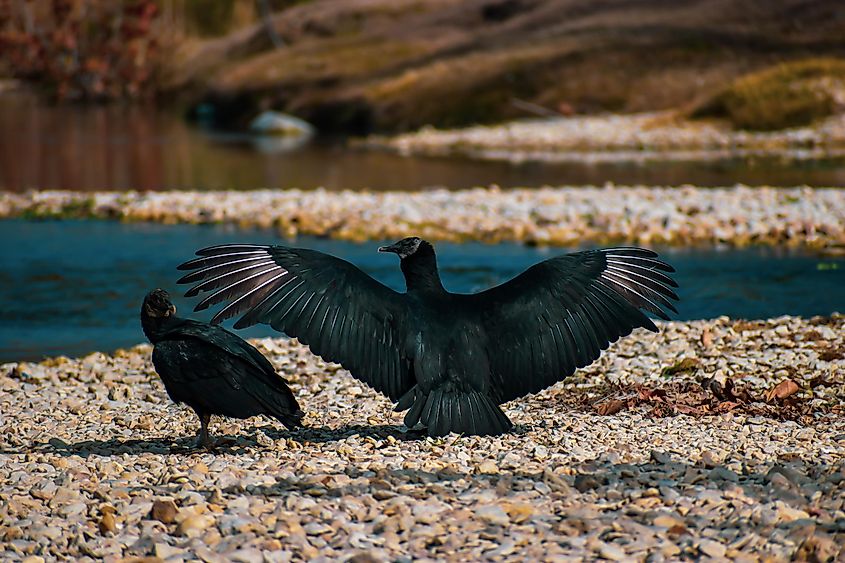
(387,65)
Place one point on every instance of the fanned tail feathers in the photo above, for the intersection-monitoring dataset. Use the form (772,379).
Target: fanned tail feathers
(449,410)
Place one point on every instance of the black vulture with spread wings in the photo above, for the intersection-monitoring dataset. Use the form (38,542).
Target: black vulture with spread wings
(212,370)
(449,359)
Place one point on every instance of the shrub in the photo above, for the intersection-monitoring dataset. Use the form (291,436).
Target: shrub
(788,95)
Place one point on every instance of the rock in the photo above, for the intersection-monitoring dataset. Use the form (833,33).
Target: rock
(164,511)
(193,526)
(712,549)
(722,473)
(275,123)
(493,514)
(584,483)
(246,556)
(667,521)
(488,467)
(519,512)
(107,525)
(611,551)
(165,551)
(818,548)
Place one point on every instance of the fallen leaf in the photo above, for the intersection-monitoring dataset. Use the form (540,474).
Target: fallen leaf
(726,406)
(611,407)
(819,381)
(647,394)
(782,390)
(831,354)
(742,326)
(677,530)
(684,409)
(687,365)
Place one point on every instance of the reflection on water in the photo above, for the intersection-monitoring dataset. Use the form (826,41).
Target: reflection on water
(135,147)
(72,287)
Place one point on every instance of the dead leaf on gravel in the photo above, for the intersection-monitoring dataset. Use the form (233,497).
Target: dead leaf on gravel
(726,406)
(693,411)
(820,381)
(687,365)
(649,394)
(611,407)
(742,326)
(782,390)
(831,354)
(812,335)
(677,530)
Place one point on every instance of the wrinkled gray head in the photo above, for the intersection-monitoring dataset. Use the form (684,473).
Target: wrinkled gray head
(157,304)
(405,247)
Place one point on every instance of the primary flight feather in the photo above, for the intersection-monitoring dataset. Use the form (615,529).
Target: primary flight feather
(449,359)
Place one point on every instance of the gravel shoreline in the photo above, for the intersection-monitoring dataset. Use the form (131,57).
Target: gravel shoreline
(618,137)
(94,462)
(684,215)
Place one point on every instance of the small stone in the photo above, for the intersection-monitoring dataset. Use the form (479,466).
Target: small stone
(165,551)
(493,514)
(667,521)
(709,459)
(164,511)
(488,467)
(586,482)
(519,512)
(107,525)
(193,526)
(611,551)
(722,473)
(44,490)
(712,549)
(661,458)
(246,556)
(316,528)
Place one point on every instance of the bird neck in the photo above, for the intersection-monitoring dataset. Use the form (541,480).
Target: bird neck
(420,270)
(156,327)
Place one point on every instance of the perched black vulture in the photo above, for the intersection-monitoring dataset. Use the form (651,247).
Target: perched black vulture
(212,370)
(449,358)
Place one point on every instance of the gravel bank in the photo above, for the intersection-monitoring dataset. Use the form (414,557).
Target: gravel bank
(94,462)
(618,137)
(813,217)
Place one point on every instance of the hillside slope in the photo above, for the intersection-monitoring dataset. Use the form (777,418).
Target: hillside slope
(387,65)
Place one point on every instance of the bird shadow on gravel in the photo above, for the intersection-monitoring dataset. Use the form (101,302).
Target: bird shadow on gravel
(116,446)
(324,434)
(244,442)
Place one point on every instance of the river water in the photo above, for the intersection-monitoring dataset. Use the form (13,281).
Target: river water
(72,287)
(116,147)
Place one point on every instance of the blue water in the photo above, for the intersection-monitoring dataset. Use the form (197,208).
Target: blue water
(72,287)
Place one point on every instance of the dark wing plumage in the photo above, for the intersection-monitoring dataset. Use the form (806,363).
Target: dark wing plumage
(560,314)
(344,315)
(217,372)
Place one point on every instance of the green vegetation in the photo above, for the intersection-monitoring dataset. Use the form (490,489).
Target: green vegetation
(788,95)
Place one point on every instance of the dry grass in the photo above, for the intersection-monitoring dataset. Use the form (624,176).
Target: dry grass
(401,65)
(786,95)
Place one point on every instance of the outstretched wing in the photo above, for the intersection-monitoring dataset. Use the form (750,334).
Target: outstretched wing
(343,314)
(560,314)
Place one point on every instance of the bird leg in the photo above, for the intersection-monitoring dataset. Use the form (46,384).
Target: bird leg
(204,440)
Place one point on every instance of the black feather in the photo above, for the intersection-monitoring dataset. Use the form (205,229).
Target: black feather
(212,370)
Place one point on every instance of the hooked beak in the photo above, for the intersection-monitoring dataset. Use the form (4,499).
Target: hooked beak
(390,248)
